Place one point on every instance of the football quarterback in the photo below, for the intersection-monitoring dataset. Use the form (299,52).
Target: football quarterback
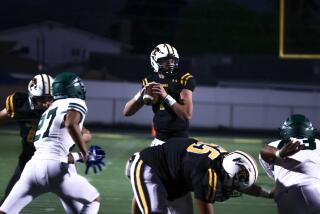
(174,110)
(181,165)
(26,109)
(293,162)
(48,170)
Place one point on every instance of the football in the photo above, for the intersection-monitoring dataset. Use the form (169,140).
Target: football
(150,98)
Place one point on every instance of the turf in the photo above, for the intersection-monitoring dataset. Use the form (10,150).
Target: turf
(114,187)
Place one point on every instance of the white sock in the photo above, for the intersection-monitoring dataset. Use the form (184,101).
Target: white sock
(91,208)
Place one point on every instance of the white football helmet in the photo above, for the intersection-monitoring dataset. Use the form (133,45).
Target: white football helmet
(164,51)
(40,89)
(241,169)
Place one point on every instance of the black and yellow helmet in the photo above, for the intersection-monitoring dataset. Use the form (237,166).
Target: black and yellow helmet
(297,126)
(68,85)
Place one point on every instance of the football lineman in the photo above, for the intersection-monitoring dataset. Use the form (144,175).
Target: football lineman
(48,170)
(181,165)
(174,109)
(294,163)
(26,110)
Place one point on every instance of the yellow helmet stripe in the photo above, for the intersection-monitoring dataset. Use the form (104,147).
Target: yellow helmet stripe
(140,190)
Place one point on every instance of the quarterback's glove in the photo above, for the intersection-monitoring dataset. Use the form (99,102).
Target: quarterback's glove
(95,159)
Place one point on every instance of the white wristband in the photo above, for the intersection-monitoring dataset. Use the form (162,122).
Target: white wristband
(169,100)
(138,95)
(278,154)
(76,156)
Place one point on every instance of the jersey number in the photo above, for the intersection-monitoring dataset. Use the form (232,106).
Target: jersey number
(44,118)
(212,150)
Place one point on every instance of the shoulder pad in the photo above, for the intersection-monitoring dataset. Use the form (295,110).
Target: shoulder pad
(148,79)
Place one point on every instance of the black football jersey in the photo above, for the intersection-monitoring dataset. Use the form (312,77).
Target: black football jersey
(166,123)
(19,109)
(185,164)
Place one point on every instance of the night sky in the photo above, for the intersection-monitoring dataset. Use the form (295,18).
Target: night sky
(157,20)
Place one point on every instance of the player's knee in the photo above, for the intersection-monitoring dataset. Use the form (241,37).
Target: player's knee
(1,212)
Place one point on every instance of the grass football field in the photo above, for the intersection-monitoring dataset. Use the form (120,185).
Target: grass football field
(115,189)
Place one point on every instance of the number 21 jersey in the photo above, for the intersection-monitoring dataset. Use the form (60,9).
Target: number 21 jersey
(52,140)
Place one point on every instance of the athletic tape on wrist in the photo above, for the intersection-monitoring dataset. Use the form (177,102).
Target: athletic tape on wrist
(169,100)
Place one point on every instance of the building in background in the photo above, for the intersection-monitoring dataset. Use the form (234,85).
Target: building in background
(52,44)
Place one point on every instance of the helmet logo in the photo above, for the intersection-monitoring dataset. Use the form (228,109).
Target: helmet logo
(243,172)
(33,83)
(155,52)
(237,160)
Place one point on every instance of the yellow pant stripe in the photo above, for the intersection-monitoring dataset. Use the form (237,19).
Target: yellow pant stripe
(209,193)
(140,190)
(212,185)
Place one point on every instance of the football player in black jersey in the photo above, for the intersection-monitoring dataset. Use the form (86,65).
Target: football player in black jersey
(181,165)
(174,109)
(26,110)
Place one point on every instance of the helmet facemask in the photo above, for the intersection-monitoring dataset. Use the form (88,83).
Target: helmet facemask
(41,102)
(240,171)
(168,66)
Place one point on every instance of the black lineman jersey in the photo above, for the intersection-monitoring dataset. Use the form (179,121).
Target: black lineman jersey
(166,123)
(185,164)
(19,109)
